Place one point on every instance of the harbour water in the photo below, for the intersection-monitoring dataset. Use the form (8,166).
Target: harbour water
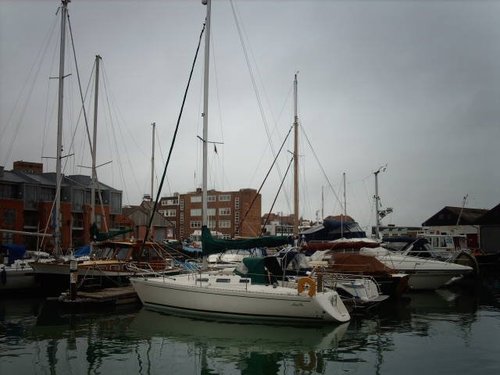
(445,332)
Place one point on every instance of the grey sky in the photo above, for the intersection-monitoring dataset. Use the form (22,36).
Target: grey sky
(414,84)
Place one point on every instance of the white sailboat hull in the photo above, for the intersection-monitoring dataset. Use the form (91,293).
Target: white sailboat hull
(425,274)
(237,298)
(17,279)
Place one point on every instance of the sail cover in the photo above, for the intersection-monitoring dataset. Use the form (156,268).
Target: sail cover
(212,245)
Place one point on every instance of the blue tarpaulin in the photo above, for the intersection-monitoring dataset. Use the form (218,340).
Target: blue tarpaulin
(13,251)
(82,251)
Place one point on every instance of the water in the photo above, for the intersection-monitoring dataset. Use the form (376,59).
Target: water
(445,332)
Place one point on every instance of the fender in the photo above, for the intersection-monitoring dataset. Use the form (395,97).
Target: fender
(301,284)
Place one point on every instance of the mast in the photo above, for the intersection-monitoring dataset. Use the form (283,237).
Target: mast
(343,214)
(295,162)
(94,141)
(208,3)
(152,167)
(57,213)
(377,201)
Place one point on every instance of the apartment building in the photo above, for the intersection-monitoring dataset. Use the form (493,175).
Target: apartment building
(27,196)
(232,213)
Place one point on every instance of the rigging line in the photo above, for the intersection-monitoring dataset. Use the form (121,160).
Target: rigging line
(221,122)
(114,137)
(175,135)
(263,182)
(276,197)
(252,78)
(320,166)
(39,56)
(80,85)
(256,91)
(162,160)
(48,113)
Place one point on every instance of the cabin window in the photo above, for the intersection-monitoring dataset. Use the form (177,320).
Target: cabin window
(220,280)
(244,281)
(202,280)
(122,254)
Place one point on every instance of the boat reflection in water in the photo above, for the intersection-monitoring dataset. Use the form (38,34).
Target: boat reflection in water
(237,347)
(454,330)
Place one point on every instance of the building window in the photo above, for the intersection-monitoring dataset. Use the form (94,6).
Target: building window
(237,203)
(212,198)
(170,201)
(78,196)
(196,199)
(211,212)
(77,221)
(195,224)
(181,218)
(30,196)
(237,217)
(225,211)
(182,204)
(8,191)
(196,212)
(47,194)
(224,223)
(224,197)
(116,203)
(9,217)
(172,212)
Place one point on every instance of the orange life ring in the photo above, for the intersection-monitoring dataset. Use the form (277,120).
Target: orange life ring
(301,285)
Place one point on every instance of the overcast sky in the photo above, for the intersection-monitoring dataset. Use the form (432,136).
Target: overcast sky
(411,84)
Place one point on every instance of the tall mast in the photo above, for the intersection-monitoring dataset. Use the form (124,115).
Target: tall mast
(208,3)
(342,215)
(295,163)
(57,214)
(376,197)
(152,167)
(94,140)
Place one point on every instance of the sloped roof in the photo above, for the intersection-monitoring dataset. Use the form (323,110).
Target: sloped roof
(449,216)
(492,217)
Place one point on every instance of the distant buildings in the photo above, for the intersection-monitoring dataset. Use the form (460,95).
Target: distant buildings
(27,196)
(232,213)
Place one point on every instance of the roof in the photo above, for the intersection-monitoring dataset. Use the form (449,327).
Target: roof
(492,217)
(49,179)
(449,216)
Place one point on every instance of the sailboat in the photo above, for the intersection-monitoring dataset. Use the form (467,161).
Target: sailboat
(236,297)
(109,262)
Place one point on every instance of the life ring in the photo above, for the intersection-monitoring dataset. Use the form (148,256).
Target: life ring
(306,362)
(301,285)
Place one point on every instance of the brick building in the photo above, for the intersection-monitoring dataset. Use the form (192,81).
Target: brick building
(230,213)
(27,195)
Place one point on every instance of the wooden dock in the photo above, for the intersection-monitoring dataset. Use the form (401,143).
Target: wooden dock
(107,298)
